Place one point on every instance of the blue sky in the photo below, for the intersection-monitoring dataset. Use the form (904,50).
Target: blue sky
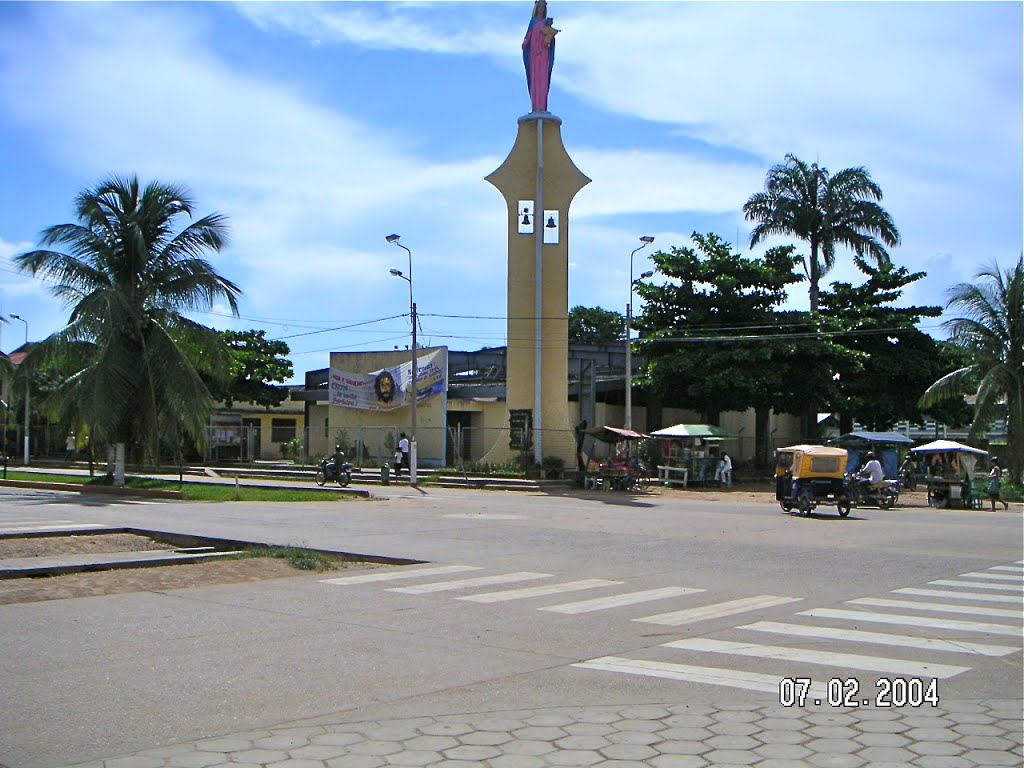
(318,129)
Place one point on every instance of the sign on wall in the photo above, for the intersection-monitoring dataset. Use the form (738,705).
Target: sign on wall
(387,389)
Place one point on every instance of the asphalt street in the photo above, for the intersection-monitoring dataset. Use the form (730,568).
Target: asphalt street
(522,601)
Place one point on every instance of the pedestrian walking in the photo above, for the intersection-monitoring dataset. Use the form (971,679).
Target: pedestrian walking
(995,481)
(70,446)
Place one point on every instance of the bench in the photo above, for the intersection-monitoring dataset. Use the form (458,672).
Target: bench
(669,475)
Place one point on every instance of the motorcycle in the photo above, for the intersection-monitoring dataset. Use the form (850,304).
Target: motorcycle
(882,495)
(908,479)
(331,471)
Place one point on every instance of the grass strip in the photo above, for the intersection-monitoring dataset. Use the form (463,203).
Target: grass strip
(192,491)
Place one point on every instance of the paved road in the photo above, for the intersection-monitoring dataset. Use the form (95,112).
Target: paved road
(537,607)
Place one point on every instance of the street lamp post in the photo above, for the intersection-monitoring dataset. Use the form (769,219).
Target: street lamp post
(27,387)
(412,311)
(644,242)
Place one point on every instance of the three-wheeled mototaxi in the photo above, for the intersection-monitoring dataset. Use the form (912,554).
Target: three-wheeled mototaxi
(810,475)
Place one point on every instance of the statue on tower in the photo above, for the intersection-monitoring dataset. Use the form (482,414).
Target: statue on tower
(539,55)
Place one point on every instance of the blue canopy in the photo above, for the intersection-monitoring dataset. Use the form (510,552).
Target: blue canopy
(893,438)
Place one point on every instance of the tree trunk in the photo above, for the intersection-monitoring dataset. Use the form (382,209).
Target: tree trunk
(119,465)
(762,447)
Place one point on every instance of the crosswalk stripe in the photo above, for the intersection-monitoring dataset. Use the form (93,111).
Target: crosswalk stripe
(974,585)
(913,621)
(828,658)
(480,581)
(732,678)
(963,595)
(914,605)
(549,589)
(1018,578)
(404,573)
(715,610)
(881,638)
(617,601)
(1013,568)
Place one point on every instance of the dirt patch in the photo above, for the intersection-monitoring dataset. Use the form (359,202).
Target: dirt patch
(125,580)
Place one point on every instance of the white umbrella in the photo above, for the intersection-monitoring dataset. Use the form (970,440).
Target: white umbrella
(947,446)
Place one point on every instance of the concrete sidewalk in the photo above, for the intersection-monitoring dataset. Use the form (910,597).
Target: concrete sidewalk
(953,735)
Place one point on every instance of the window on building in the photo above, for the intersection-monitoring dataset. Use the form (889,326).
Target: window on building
(282,430)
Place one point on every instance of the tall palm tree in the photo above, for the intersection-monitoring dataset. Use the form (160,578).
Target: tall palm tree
(132,359)
(992,333)
(826,210)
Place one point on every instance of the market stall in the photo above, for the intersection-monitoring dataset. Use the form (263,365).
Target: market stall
(689,452)
(950,469)
(620,471)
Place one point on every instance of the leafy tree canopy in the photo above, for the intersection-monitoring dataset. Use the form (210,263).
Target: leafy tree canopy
(256,363)
(593,325)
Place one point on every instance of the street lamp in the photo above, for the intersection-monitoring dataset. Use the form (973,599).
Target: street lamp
(412,311)
(644,242)
(27,386)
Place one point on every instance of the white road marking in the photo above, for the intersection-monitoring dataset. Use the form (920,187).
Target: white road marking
(993,576)
(975,585)
(480,581)
(617,601)
(1013,568)
(963,595)
(913,605)
(881,638)
(829,658)
(751,681)
(549,589)
(483,516)
(715,610)
(913,621)
(404,573)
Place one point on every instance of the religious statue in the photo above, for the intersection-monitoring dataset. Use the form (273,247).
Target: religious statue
(539,55)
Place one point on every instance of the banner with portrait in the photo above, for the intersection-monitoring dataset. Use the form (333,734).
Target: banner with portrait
(387,388)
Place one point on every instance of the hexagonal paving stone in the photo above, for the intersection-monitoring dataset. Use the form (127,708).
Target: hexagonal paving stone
(356,761)
(415,757)
(991,759)
(392,732)
(977,729)
(540,733)
(995,743)
(470,752)
(506,724)
(135,762)
(688,721)
(292,763)
(931,734)
(517,761)
(882,726)
(550,720)
(594,716)
(259,756)
(835,761)
(644,713)
(342,739)
(486,738)
(677,761)
(731,757)
(875,755)
(882,739)
(685,734)
(830,732)
(589,729)
(936,748)
(582,742)
(832,746)
(732,742)
(781,724)
(575,757)
(197,759)
(628,752)
(782,751)
(737,716)
(681,747)
(528,747)
(830,718)
(645,726)
(319,752)
(227,744)
(781,737)
(376,748)
(446,729)
(281,742)
(944,762)
(735,728)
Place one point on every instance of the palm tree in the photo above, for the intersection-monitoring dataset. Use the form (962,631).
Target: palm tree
(131,358)
(826,210)
(992,334)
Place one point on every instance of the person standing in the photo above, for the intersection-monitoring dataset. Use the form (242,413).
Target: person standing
(403,447)
(995,480)
(70,445)
(725,470)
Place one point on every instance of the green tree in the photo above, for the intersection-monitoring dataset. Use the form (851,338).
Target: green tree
(891,361)
(593,325)
(127,274)
(826,211)
(256,362)
(707,334)
(991,332)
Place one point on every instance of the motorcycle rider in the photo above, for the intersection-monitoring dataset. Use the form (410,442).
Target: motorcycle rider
(337,459)
(870,474)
